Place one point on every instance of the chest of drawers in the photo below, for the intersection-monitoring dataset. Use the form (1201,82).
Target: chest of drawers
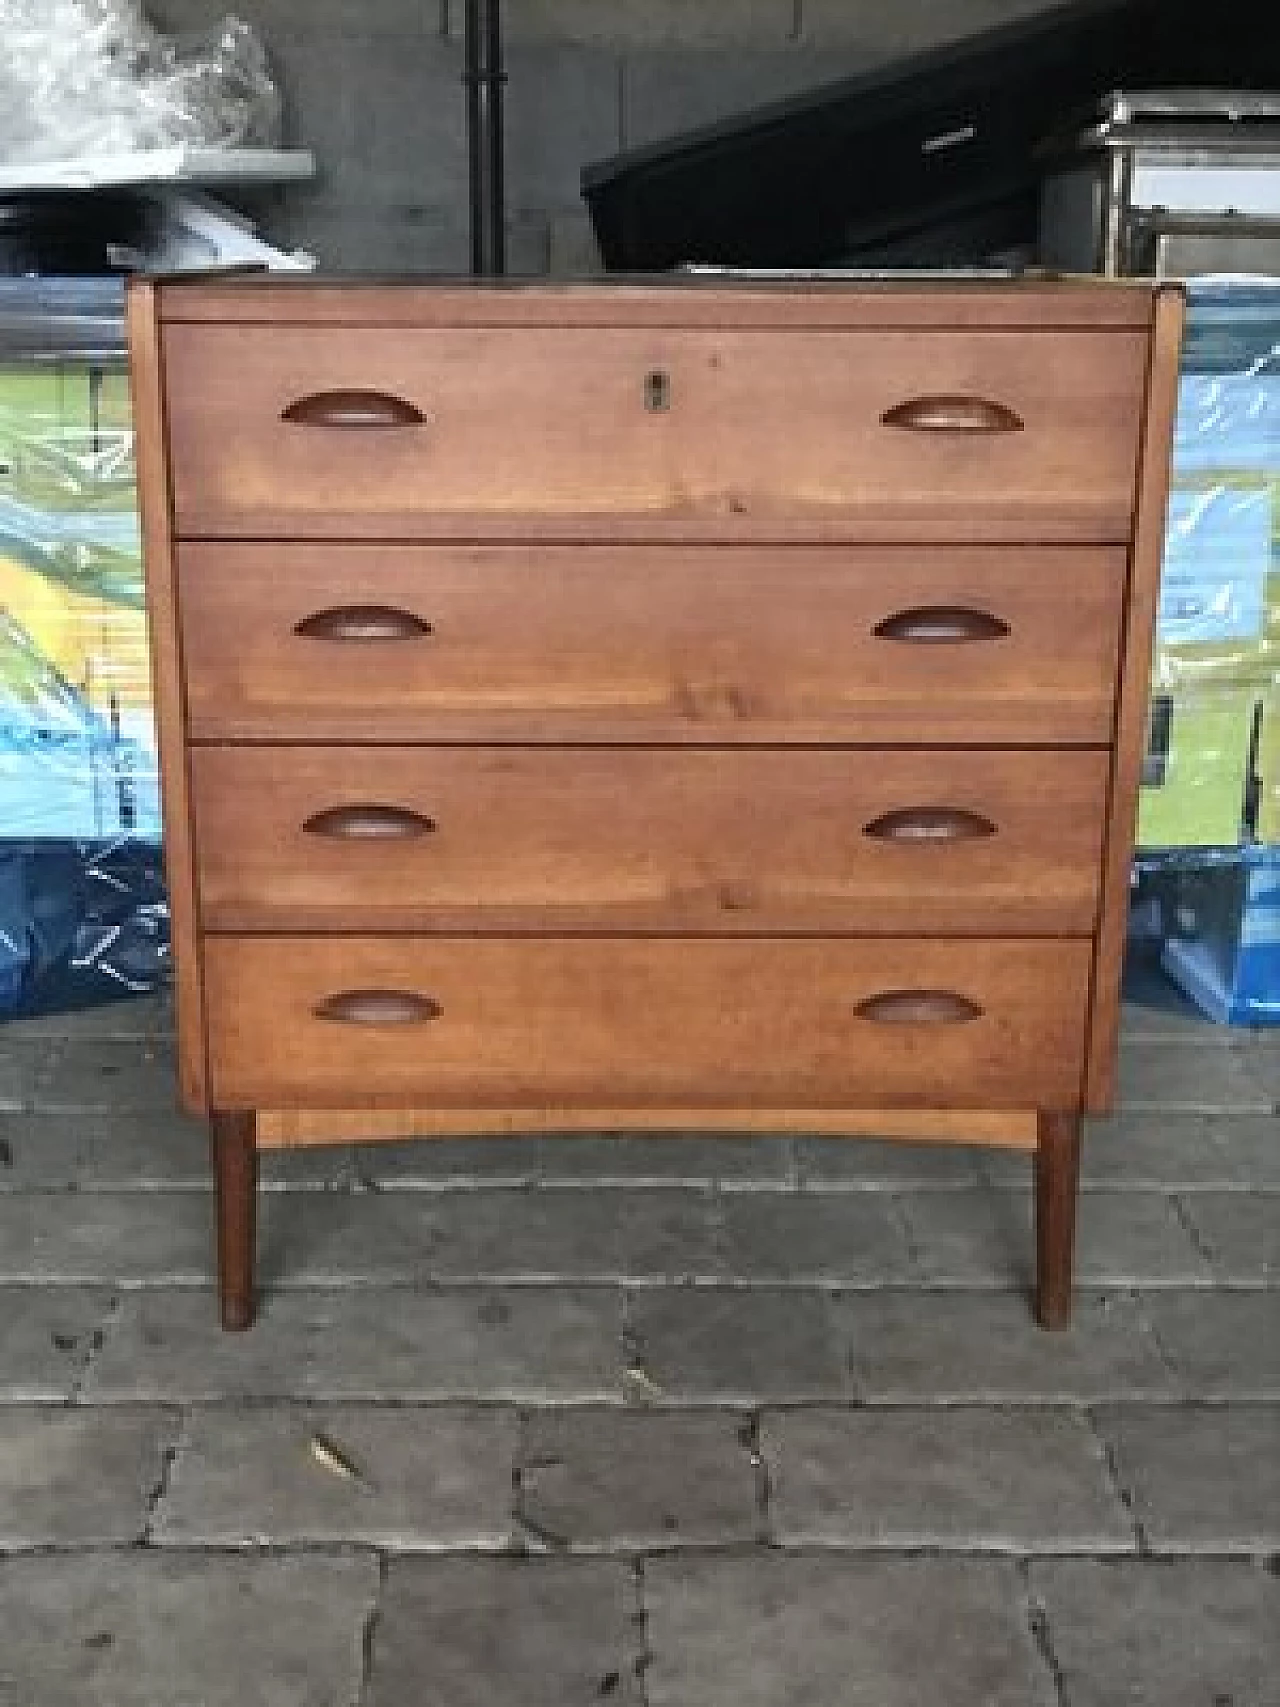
(691,706)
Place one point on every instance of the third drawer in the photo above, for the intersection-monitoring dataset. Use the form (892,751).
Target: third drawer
(596,839)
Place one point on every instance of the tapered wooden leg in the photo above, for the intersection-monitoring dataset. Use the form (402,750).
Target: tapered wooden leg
(235,1185)
(1057,1178)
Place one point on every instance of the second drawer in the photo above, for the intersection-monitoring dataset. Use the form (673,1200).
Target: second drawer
(590,839)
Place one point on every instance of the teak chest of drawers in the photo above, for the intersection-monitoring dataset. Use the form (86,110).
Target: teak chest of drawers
(708,706)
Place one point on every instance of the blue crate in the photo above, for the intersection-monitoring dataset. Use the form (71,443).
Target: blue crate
(1223,943)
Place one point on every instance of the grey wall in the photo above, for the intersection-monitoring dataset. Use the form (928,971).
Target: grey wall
(375,89)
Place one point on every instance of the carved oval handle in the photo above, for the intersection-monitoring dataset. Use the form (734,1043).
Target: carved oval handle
(942,625)
(352,409)
(378,1007)
(919,1007)
(953,414)
(930,824)
(368,823)
(362,623)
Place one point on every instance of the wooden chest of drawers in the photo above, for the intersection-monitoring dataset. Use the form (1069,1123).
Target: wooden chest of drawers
(692,706)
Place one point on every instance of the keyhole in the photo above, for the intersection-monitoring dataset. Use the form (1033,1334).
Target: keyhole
(657,391)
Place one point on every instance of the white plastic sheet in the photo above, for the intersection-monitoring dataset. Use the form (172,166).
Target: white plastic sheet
(86,77)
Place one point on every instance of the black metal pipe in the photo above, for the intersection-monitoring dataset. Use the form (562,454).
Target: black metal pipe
(484,77)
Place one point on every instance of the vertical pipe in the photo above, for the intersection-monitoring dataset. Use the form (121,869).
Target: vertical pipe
(484,77)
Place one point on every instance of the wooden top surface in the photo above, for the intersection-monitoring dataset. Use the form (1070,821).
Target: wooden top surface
(688,300)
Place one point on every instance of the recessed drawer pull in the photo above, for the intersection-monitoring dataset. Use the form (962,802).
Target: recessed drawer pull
(362,623)
(942,625)
(352,409)
(378,1007)
(368,823)
(947,414)
(930,824)
(919,1007)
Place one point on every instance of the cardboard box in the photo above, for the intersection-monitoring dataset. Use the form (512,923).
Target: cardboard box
(1267,767)
(1196,782)
(77,746)
(1225,954)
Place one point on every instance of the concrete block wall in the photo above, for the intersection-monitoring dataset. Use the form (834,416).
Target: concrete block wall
(374,87)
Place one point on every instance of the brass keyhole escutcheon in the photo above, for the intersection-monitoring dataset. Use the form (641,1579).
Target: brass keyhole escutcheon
(657,391)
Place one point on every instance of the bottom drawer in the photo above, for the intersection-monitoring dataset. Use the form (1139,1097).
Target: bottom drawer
(645,1022)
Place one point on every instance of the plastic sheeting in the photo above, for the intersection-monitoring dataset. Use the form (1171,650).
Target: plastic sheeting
(82,912)
(1209,867)
(86,77)
(1216,672)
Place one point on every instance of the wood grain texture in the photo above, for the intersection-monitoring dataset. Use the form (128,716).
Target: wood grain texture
(1017,521)
(1133,698)
(148,384)
(1003,1128)
(1057,1176)
(235,1191)
(600,840)
(757,427)
(675,302)
(611,643)
(672,706)
(642,1022)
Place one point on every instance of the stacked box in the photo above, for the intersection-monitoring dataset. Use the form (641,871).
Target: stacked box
(1211,807)
(81,901)
(1225,950)
(1218,632)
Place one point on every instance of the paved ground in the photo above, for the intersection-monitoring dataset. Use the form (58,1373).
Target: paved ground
(650,1423)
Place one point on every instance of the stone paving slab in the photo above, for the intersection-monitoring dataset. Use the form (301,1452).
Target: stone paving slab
(1263,1068)
(506,1633)
(841,1238)
(493,1236)
(111,1074)
(879,1164)
(733,1346)
(1193,1077)
(1251,1148)
(46,1338)
(134,1150)
(431,1478)
(429,1164)
(625,1481)
(85,1149)
(129,1239)
(1220,1344)
(1163,1150)
(144,1629)
(78,1477)
(978,1480)
(1200,1479)
(1125,1238)
(770,1630)
(524,1345)
(1240,1234)
(730,1162)
(22,1063)
(1158,1633)
(930,1346)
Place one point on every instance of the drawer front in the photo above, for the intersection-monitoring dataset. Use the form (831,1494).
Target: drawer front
(594,839)
(996,644)
(616,1022)
(360,431)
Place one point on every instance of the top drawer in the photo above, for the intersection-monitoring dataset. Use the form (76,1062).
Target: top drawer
(491,431)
